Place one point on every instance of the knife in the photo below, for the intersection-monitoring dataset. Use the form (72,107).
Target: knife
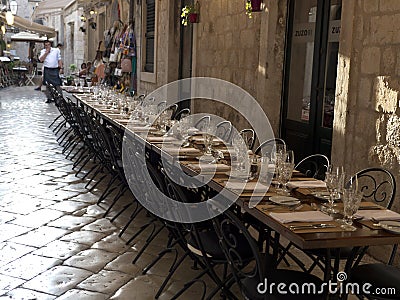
(312,226)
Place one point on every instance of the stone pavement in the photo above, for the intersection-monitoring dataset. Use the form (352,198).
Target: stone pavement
(54,242)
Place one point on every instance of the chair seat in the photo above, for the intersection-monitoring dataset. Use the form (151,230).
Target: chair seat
(282,276)
(378,275)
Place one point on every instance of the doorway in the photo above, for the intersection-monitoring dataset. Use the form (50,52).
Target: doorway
(185,57)
(310,80)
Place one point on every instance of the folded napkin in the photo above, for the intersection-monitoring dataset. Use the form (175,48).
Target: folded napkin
(209,167)
(160,139)
(141,128)
(181,150)
(307,184)
(301,216)
(378,215)
(246,186)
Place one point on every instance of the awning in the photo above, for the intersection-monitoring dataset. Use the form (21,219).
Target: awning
(30,26)
(27,37)
(50,7)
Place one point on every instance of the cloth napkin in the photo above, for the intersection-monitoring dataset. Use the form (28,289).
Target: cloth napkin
(301,216)
(209,167)
(155,139)
(307,184)
(181,150)
(141,128)
(378,215)
(247,186)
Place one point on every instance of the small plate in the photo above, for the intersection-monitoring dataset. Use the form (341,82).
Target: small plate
(391,226)
(323,196)
(284,200)
(237,175)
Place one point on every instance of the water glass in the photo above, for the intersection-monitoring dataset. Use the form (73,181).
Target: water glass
(285,171)
(254,167)
(351,203)
(332,181)
(208,141)
(266,173)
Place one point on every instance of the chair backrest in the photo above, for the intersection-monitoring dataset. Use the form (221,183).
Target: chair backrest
(377,185)
(266,148)
(224,225)
(224,130)
(178,115)
(249,137)
(203,123)
(314,166)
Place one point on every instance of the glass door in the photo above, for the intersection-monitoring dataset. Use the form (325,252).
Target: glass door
(310,68)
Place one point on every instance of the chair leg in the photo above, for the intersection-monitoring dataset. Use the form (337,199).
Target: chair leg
(54,121)
(136,211)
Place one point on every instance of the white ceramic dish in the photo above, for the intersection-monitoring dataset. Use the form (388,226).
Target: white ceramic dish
(284,200)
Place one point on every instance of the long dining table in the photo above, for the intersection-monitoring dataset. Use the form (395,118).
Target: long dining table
(331,237)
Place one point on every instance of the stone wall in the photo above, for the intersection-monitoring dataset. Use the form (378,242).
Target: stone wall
(74,39)
(245,51)
(367,120)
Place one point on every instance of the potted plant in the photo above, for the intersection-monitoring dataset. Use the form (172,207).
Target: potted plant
(190,14)
(252,6)
(70,78)
(72,68)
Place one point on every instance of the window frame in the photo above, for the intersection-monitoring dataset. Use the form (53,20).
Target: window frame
(146,75)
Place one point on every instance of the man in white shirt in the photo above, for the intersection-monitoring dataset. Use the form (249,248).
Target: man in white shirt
(52,63)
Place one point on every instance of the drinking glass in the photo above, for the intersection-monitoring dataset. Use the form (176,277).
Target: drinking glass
(288,156)
(182,130)
(208,142)
(332,181)
(278,154)
(351,203)
(285,171)
(255,163)
(266,172)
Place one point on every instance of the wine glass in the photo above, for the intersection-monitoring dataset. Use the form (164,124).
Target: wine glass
(288,156)
(332,180)
(351,203)
(285,171)
(208,137)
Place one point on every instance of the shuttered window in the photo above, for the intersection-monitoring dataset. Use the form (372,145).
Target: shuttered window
(150,35)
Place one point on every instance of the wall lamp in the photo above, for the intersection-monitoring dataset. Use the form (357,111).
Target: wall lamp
(10,13)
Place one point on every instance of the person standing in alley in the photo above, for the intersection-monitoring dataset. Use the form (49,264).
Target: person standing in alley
(53,66)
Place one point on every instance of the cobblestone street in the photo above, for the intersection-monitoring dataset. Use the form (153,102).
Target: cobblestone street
(54,242)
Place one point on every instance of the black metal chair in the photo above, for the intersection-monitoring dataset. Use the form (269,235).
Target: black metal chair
(223,130)
(266,147)
(377,185)
(178,115)
(202,123)
(249,277)
(249,137)
(386,277)
(314,166)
